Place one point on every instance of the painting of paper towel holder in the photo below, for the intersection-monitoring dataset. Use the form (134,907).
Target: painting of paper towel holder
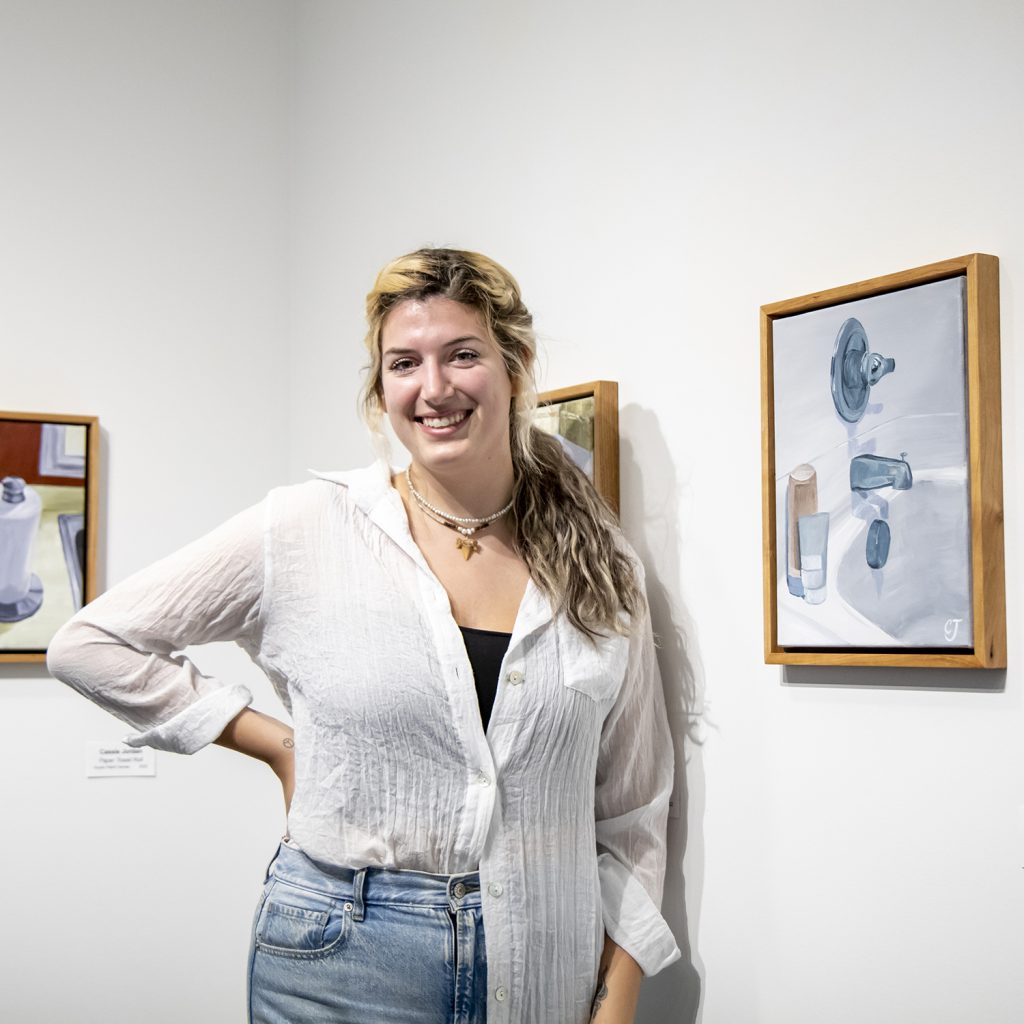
(882,472)
(49,489)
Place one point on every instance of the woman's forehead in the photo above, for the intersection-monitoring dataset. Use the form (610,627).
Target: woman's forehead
(431,319)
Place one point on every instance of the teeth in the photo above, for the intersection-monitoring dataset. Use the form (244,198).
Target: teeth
(444,421)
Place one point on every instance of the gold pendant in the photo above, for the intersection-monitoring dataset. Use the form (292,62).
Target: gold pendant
(467,546)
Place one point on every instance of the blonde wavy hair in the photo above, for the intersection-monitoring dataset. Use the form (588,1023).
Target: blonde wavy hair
(562,528)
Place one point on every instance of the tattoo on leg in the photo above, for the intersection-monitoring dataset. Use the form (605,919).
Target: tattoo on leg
(600,995)
(288,743)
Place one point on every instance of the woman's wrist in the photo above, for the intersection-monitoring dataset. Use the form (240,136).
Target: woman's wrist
(268,740)
(283,766)
(618,987)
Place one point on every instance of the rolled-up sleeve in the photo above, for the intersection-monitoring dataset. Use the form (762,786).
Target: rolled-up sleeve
(120,650)
(635,773)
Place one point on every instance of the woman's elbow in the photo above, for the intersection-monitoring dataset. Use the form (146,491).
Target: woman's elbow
(64,653)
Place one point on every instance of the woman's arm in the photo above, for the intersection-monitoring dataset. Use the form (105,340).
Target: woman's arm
(266,739)
(633,787)
(123,650)
(618,986)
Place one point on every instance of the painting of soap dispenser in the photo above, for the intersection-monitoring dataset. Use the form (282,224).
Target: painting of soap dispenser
(21,592)
(806,537)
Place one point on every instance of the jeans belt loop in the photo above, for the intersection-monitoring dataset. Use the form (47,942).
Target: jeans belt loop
(358,907)
(273,860)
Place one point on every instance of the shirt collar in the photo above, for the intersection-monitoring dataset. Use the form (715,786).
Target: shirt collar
(366,486)
(370,490)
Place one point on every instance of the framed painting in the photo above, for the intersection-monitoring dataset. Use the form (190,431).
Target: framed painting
(49,465)
(585,420)
(882,472)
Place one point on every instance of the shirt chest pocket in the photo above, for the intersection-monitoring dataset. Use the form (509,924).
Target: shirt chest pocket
(593,667)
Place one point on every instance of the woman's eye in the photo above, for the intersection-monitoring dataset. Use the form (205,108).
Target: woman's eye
(466,355)
(400,365)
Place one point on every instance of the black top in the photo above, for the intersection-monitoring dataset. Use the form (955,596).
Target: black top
(485,648)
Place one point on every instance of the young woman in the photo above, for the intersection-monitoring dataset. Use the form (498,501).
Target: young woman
(479,766)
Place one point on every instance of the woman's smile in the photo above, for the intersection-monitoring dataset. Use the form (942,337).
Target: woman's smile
(449,422)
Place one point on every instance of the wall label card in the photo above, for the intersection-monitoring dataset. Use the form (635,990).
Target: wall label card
(107,760)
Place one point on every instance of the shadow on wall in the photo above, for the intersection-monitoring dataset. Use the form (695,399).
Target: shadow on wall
(954,680)
(650,508)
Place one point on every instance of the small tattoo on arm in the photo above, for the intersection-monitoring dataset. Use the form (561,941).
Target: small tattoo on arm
(288,742)
(600,995)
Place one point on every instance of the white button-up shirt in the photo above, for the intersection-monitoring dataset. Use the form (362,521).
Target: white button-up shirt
(561,805)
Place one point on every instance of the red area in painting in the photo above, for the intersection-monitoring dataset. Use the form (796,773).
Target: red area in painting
(19,453)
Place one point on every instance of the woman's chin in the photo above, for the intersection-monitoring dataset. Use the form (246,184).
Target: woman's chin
(469,463)
(441,454)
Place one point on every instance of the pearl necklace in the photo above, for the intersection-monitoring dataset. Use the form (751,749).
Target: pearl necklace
(465,541)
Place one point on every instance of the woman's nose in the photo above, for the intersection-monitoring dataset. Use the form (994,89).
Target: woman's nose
(436,385)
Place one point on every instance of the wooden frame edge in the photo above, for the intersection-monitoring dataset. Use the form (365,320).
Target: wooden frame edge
(988,583)
(872,286)
(768,526)
(861,658)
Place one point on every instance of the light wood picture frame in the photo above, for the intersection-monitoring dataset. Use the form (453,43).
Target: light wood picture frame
(585,419)
(882,472)
(49,516)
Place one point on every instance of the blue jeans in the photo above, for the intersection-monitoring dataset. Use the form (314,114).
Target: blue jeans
(361,947)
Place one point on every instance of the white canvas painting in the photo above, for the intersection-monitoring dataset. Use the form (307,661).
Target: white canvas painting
(871,460)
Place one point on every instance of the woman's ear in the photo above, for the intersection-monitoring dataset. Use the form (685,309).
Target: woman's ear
(517,380)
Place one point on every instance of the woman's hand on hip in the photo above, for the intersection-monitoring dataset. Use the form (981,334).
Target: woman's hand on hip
(284,768)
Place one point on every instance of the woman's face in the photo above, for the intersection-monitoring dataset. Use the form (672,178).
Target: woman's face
(446,390)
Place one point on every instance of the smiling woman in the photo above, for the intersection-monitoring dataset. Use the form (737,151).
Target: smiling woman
(480,766)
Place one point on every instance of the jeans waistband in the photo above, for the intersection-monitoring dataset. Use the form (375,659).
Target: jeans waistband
(375,885)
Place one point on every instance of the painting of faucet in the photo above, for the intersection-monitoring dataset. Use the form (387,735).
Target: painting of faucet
(873,472)
(870,467)
(869,472)
(855,370)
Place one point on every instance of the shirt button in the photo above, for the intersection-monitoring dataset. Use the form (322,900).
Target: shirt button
(459,890)
(515,677)
(495,888)
(500,993)
(483,779)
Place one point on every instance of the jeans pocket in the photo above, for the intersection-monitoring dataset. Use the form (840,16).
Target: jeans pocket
(299,923)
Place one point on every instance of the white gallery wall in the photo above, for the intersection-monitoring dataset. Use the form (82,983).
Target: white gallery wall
(195,197)
(143,236)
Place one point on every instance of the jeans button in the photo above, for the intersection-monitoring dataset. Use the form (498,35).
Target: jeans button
(459,890)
